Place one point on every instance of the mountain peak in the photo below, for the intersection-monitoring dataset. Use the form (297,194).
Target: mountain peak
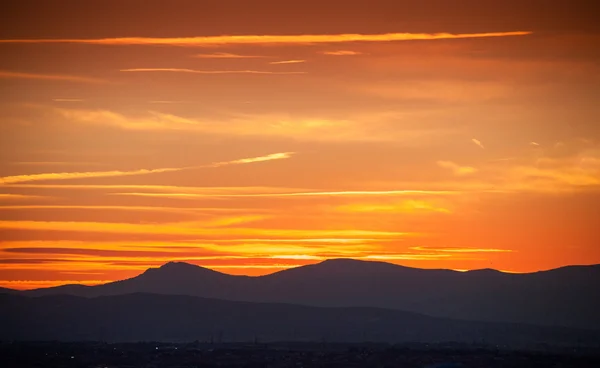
(485,271)
(179,269)
(350,262)
(342,261)
(173,265)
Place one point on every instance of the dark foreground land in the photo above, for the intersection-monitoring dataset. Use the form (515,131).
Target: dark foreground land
(49,354)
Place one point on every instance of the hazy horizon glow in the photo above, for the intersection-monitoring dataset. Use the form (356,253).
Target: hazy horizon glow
(283,134)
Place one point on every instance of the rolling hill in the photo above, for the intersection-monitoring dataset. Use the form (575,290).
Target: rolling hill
(152,317)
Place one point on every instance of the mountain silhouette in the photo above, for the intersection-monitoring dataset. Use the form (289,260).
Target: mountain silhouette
(8,291)
(567,296)
(153,317)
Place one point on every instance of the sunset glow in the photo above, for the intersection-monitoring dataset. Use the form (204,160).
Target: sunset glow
(375,132)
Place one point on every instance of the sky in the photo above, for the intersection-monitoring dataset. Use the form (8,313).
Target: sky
(251,137)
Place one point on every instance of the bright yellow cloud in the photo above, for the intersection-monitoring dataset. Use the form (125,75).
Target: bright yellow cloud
(116,173)
(341,53)
(81,175)
(287,62)
(273,156)
(271,39)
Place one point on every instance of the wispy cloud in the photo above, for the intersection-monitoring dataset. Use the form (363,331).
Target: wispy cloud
(341,53)
(158,188)
(461,250)
(368,193)
(115,173)
(271,39)
(408,206)
(188,195)
(287,62)
(67,100)
(165,102)
(407,257)
(477,142)
(457,169)
(12,197)
(177,210)
(55,77)
(359,127)
(82,175)
(227,55)
(154,120)
(193,229)
(195,71)
(273,156)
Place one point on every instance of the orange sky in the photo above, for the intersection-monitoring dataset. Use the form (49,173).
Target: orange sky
(250,138)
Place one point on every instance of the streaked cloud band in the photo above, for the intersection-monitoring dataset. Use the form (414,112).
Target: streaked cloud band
(115,173)
(271,39)
(196,71)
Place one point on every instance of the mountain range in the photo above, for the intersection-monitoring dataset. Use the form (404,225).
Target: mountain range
(564,297)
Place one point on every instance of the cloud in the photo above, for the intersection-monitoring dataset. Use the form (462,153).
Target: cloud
(273,156)
(228,221)
(555,178)
(477,142)
(67,100)
(576,167)
(341,53)
(56,77)
(192,229)
(408,206)
(178,210)
(535,144)
(164,253)
(226,55)
(457,169)
(408,257)
(270,39)
(195,71)
(358,127)
(12,197)
(292,194)
(154,120)
(116,173)
(461,250)
(287,62)
(82,175)
(158,188)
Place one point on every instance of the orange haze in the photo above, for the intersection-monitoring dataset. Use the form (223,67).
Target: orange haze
(251,137)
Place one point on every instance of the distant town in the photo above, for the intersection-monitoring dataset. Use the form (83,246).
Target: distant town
(283,355)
